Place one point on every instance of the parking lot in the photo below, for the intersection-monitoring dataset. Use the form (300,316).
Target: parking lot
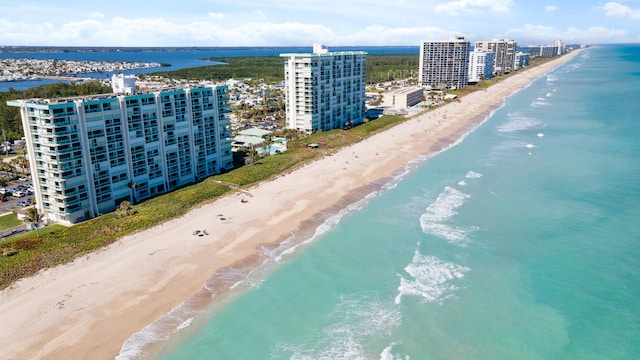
(14,202)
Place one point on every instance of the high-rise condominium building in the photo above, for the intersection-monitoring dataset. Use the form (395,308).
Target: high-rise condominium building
(324,90)
(480,65)
(444,63)
(88,154)
(505,50)
(522,59)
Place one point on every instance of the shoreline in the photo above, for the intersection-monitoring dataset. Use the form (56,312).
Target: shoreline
(92,305)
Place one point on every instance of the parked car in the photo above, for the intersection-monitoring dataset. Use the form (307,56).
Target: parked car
(22,203)
(18,193)
(3,199)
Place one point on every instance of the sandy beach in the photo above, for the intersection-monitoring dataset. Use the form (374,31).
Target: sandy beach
(90,307)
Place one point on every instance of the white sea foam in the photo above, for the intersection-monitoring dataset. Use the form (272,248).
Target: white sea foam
(441,210)
(454,235)
(507,148)
(429,278)
(185,324)
(518,122)
(462,183)
(358,317)
(387,353)
(160,330)
(473,175)
(538,102)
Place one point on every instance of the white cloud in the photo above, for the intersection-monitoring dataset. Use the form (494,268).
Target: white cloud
(544,35)
(96,15)
(458,7)
(617,9)
(215,16)
(380,22)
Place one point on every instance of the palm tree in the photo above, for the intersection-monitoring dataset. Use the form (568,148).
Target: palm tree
(22,162)
(267,144)
(125,209)
(252,155)
(33,216)
(21,147)
(132,185)
(13,165)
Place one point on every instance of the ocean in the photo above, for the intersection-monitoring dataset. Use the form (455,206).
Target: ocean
(177,58)
(521,241)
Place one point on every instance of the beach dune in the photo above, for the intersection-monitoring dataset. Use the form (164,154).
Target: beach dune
(90,307)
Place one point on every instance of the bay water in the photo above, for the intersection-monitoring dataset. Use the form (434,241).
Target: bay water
(522,241)
(175,58)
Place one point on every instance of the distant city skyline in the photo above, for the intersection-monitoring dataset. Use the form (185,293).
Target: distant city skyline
(303,22)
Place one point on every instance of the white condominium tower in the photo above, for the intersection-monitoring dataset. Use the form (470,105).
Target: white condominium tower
(505,50)
(88,154)
(324,90)
(444,63)
(480,66)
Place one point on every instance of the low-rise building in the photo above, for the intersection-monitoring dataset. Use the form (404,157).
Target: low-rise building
(403,98)
(250,139)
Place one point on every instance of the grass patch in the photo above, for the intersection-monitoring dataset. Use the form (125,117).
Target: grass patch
(9,220)
(49,229)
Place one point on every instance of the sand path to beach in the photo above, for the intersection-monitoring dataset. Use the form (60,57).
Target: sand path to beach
(90,307)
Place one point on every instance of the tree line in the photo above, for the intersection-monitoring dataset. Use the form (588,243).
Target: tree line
(10,115)
(379,67)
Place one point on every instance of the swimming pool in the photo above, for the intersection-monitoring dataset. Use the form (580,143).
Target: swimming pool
(272,149)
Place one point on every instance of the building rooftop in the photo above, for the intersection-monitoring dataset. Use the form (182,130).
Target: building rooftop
(256,132)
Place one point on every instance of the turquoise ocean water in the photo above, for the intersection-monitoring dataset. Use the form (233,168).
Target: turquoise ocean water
(520,242)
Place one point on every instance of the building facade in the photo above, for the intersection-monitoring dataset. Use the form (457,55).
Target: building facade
(558,48)
(522,59)
(403,98)
(324,90)
(552,50)
(480,65)
(444,63)
(89,154)
(505,51)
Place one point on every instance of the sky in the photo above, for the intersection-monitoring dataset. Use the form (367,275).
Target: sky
(304,22)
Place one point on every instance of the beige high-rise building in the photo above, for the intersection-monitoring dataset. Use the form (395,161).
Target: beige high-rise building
(444,64)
